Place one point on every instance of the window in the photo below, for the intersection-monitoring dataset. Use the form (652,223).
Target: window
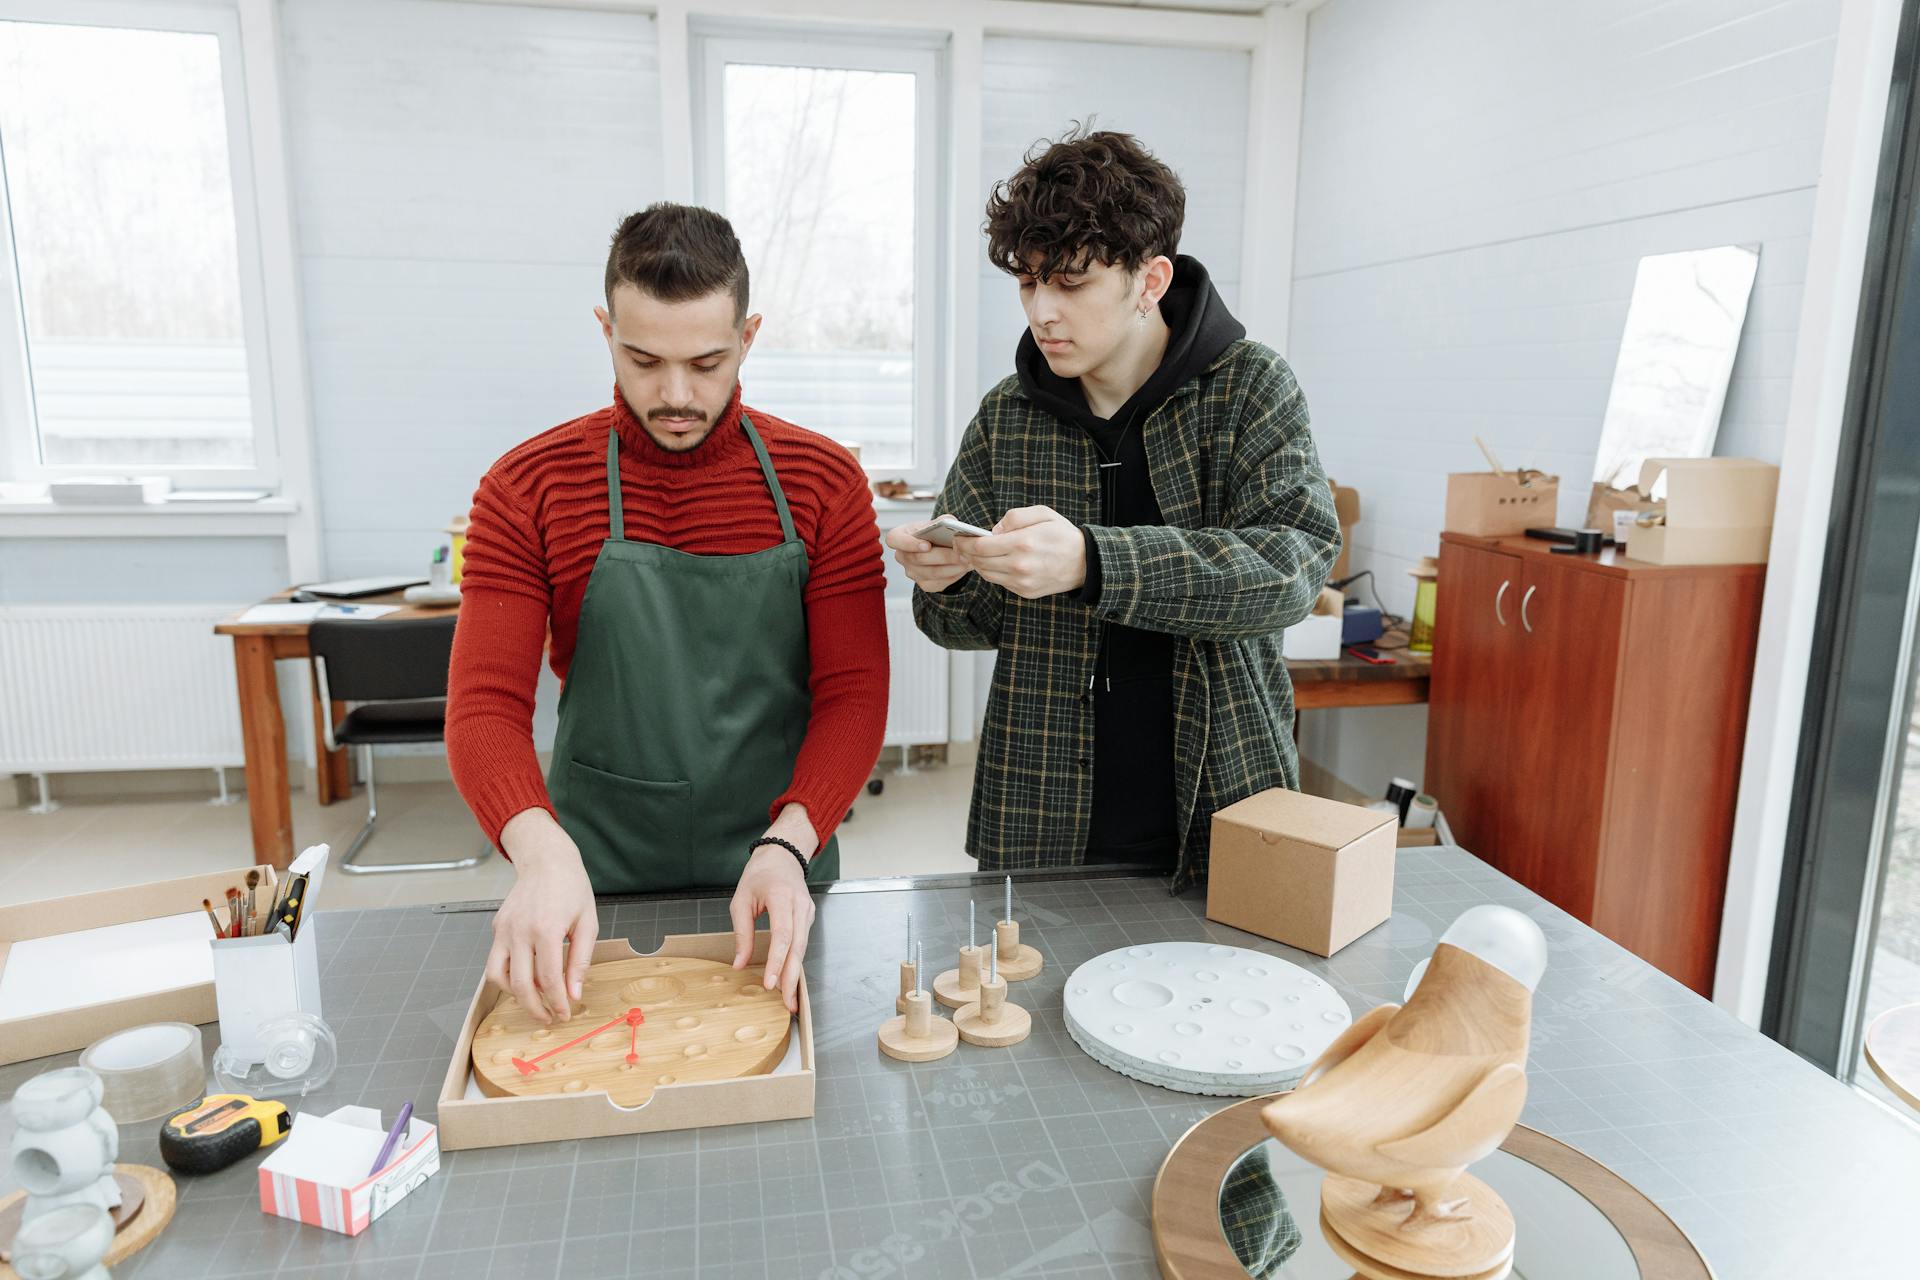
(130,332)
(825,160)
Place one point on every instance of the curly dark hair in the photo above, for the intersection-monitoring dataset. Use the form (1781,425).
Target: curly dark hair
(1086,196)
(676,253)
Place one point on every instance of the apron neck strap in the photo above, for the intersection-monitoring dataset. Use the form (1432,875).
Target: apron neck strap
(616,518)
(773,481)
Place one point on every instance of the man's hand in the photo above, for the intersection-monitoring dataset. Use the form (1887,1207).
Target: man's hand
(549,910)
(932,568)
(1034,552)
(773,883)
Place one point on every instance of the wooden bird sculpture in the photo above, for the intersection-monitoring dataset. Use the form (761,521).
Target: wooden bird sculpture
(1409,1096)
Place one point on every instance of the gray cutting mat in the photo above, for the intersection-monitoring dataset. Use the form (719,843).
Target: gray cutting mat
(1029,1161)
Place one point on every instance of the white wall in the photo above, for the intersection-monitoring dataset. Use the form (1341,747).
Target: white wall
(1478,181)
(1189,106)
(458,170)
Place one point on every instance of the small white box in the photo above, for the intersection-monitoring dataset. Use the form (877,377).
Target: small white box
(318,1175)
(110,490)
(1317,636)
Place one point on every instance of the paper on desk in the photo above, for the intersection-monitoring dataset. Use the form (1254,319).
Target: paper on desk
(270,614)
(264,614)
(336,1149)
(114,962)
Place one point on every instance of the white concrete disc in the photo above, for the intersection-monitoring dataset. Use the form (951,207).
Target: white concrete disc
(1199,1017)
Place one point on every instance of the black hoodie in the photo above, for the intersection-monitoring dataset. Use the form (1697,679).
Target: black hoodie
(1134,817)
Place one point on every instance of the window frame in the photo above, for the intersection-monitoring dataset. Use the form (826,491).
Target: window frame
(714,48)
(1865,636)
(20,450)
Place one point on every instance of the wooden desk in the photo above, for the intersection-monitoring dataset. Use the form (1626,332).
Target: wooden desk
(1348,682)
(263,728)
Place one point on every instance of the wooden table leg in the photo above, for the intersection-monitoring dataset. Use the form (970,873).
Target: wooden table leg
(264,732)
(332,777)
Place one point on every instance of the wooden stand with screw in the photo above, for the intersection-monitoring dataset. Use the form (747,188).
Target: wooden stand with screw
(909,979)
(1017,962)
(917,1035)
(909,973)
(957,988)
(993,1021)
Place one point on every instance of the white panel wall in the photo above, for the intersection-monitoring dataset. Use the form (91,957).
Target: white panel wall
(458,170)
(1478,181)
(1189,106)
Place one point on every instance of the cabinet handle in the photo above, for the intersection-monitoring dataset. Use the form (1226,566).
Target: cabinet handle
(1498,596)
(1523,607)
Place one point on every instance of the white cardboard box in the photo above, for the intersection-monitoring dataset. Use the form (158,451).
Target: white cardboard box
(1317,636)
(318,1175)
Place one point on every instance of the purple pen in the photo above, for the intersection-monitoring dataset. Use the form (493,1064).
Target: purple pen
(393,1139)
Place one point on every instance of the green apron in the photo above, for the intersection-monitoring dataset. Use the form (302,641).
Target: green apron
(685,705)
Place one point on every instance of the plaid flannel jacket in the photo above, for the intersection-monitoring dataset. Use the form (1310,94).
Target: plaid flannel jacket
(1249,539)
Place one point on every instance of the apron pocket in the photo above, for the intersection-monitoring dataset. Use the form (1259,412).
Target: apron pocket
(633,833)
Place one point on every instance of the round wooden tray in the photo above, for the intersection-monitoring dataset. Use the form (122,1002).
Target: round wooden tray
(156,1211)
(1190,1244)
(703,1020)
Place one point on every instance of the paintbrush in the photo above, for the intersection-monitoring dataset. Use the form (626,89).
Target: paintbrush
(233,912)
(207,905)
(253,883)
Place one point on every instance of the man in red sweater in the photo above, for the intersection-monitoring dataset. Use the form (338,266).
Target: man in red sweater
(706,581)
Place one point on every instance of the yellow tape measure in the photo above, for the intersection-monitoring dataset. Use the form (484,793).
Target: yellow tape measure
(219,1129)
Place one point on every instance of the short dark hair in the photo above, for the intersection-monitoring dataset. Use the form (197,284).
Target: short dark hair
(676,253)
(1097,196)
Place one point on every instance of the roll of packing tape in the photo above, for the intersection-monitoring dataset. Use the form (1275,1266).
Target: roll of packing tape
(1422,812)
(148,1072)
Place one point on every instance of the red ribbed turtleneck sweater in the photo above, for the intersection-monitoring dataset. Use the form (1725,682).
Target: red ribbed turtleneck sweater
(538,520)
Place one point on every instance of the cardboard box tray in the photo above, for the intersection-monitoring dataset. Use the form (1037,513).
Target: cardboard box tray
(497,1122)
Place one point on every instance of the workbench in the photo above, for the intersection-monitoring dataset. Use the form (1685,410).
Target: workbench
(1032,1160)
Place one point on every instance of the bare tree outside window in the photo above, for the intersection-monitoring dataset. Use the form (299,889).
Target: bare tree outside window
(820,187)
(120,199)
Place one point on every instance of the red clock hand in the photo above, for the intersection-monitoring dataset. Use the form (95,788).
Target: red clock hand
(632,1017)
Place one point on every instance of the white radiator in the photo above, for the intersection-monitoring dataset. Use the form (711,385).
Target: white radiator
(85,688)
(917,693)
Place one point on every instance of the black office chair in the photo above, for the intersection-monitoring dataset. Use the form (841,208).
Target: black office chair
(398,671)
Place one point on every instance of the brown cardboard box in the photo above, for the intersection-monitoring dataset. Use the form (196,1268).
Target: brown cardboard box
(1606,500)
(1718,511)
(1309,872)
(1498,504)
(1346,509)
(80,1026)
(500,1122)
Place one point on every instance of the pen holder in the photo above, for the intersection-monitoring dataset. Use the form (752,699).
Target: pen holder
(257,981)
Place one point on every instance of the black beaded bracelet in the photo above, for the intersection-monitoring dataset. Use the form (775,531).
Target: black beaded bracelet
(788,845)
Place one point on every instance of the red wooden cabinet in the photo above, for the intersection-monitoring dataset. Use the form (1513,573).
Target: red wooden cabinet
(1584,733)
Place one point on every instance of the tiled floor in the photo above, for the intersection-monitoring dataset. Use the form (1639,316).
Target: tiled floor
(917,825)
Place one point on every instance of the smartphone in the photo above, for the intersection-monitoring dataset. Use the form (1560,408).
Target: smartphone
(943,531)
(1367,653)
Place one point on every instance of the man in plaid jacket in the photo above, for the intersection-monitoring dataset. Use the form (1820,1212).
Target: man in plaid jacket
(1158,518)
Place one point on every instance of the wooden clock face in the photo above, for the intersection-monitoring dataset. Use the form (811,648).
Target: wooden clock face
(643,1023)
